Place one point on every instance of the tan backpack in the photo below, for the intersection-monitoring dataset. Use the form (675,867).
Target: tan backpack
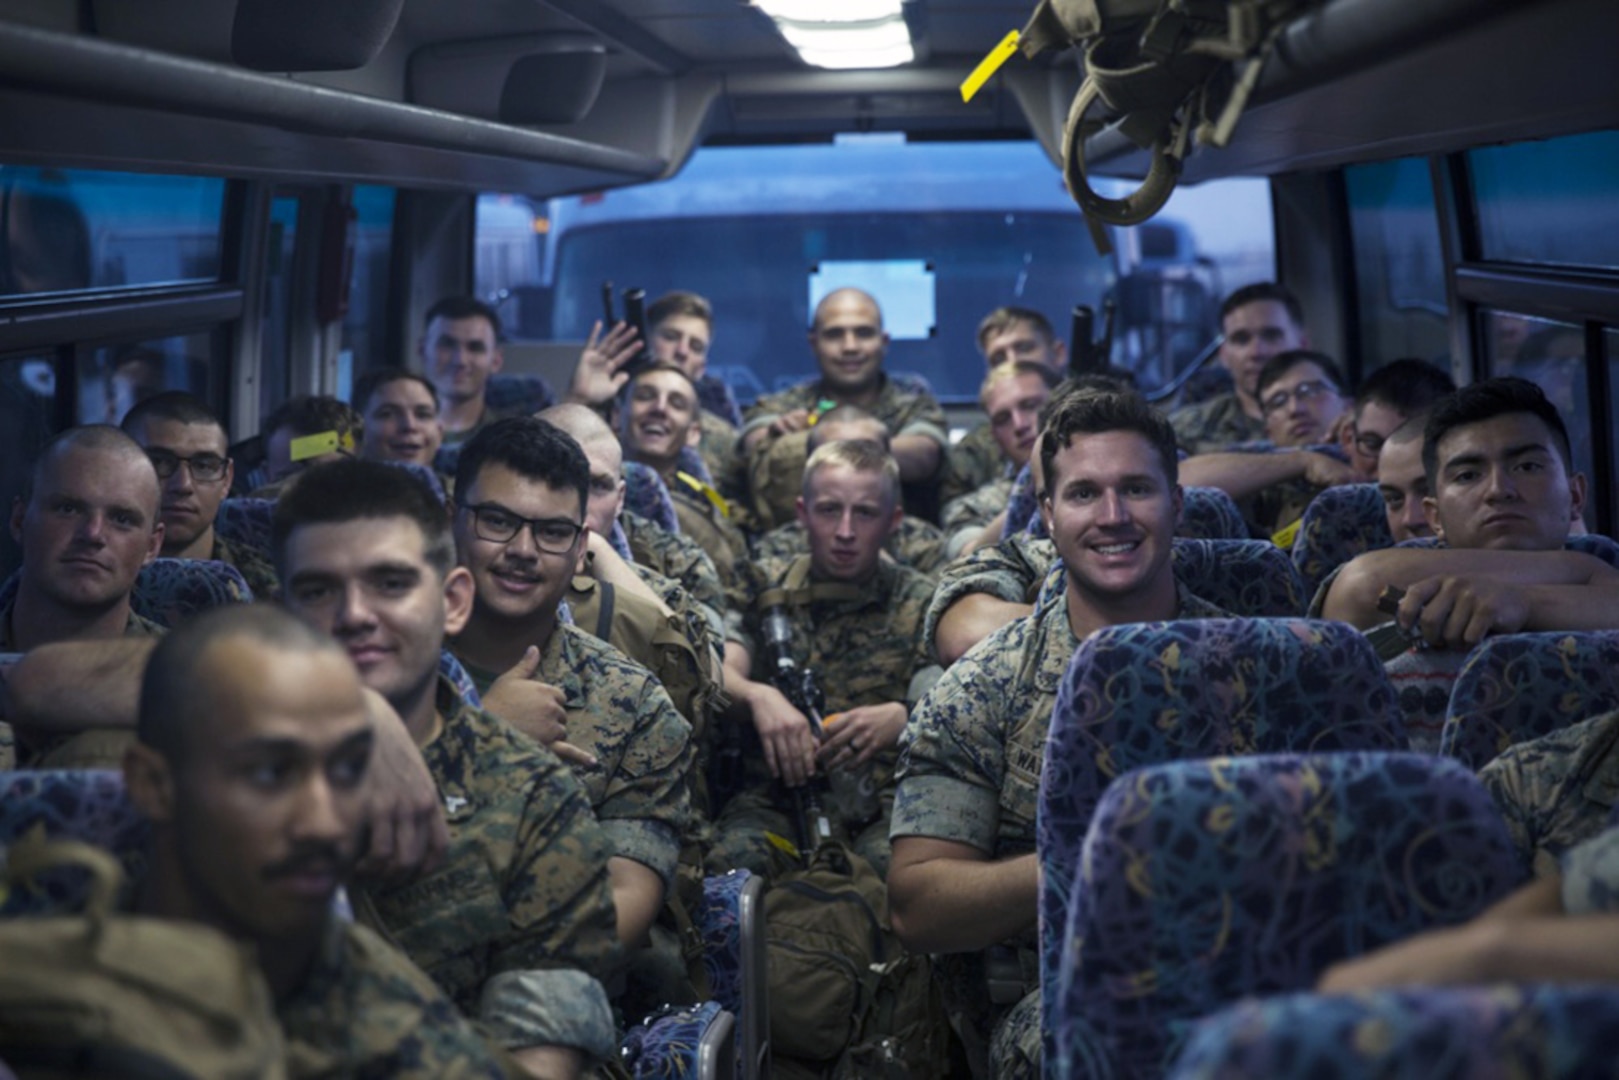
(109,995)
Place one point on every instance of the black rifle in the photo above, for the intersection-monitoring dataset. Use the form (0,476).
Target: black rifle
(635,317)
(800,687)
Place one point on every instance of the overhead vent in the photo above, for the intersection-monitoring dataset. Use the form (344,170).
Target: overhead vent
(525,79)
(311,35)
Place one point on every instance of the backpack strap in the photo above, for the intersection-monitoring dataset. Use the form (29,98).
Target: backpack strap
(604,616)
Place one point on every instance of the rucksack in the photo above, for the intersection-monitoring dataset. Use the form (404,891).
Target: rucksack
(106,994)
(846,998)
(1166,70)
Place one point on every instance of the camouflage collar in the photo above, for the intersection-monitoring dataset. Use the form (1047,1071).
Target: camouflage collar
(134,626)
(1057,642)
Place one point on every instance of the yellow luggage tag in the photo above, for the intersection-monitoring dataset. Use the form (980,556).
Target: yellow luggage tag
(989,65)
(1283,538)
(324,442)
(707,491)
(781,843)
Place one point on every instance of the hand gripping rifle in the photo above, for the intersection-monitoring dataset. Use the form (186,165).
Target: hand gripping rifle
(800,687)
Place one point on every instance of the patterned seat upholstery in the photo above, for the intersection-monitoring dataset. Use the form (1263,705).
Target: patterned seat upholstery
(681,1042)
(1518,687)
(465,689)
(1453,1033)
(1206,881)
(426,476)
(167,591)
(1148,693)
(512,394)
(714,394)
(85,805)
(1245,577)
(246,521)
(732,926)
(1207,513)
(1339,523)
(1022,508)
(646,494)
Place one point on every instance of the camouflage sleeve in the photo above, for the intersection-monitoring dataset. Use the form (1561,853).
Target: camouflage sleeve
(741,619)
(520,1009)
(1319,600)
(975,460)
(767,408)
(1007,571)
(647,806)
(1591,875)
(559,902)
(1516,792)
(923,415)
(952,754)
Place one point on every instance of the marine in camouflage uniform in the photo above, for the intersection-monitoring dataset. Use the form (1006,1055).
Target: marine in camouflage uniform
(676,557)
(253,564)
(975,460)
(1011,570)
(363,1010)
(967,515)
(1215,424)
(1591,875)
(969,772)
(776,471)
(707,524)
(518,926)
(916,543)
(862,648)
(1557,790)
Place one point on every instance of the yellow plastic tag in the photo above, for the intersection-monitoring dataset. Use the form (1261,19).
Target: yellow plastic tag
(707,491)
(781,843)
(989,65)
(324,442)
(1284,538)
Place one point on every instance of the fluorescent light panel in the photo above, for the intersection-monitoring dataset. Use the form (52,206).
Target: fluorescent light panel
(844,33)
(834,11)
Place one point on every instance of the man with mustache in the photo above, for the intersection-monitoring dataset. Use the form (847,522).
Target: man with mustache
(252,764)
(189,449)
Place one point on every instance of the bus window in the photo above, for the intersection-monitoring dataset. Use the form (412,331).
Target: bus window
(1549,202)
(112,378)
(280,277)
(1610,343)
(368,289)
(1399,265)
(68,230)
(1552,356)
(27,407)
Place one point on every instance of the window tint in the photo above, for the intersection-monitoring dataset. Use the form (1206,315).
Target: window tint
(112,378)
(1399,265)
(67,230)
(27,405)
(1552,356)
(368,290)
(1554,202)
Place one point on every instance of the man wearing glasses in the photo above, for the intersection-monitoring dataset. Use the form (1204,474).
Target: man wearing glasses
(519,523)
(1389,396)
(187,446)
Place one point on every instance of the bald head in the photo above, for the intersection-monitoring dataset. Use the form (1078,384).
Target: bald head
(845,423)
(605,454)
(847,297)
(849,343)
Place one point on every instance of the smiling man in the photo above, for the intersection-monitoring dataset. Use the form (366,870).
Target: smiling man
(400,411)
(190,452)
(1256,323)
(964,874)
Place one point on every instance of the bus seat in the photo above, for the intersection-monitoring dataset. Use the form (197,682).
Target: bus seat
(465,689)
(620,543)
(1339,524)
(692,464)
(1207,513)
(242,520)
(646,494)
(714,394)
(1244,577)
(1438,1033)
(87,805)
(1022,507)
(1148,693)
(1207,881)
(1595,544)
(514,394)
(167,591)
(1518,687)
(732,927)
(686,1041)
(426,476)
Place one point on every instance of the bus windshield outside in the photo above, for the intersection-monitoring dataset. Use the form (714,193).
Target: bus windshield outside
(940,233)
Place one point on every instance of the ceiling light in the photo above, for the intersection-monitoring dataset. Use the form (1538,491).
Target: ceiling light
(844,33)
(829,10)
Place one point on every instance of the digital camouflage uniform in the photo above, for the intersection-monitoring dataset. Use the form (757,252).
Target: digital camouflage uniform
(1011,570)
(969,772)
(364,1011)
(776,468)
(1215,424)
(916,543)
(710,527)
(1557,790)
(518,926)
(966,515)
(719,449)
(97,748)
(975,460)
(254,566)
(652,547)
(1591,875)
(862,650)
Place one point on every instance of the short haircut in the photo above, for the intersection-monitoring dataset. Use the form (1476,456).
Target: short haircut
(1410,431)
(176,406)
(840,415)
(1097,413)
(1005,317)
(103,437)
(464,307)
(532,448)
(858,455)
(350,489)
(311,414)
(1283,362)
(673,369)
(1092,382)
(1006,372)
(1407,386)
(679,303)
(1264,290)
(1481,401)
(171,700)
(375,379)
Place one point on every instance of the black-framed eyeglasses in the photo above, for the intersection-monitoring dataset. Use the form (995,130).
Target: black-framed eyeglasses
(205,468)
(1304,391)
(498,525)
(1369,443)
